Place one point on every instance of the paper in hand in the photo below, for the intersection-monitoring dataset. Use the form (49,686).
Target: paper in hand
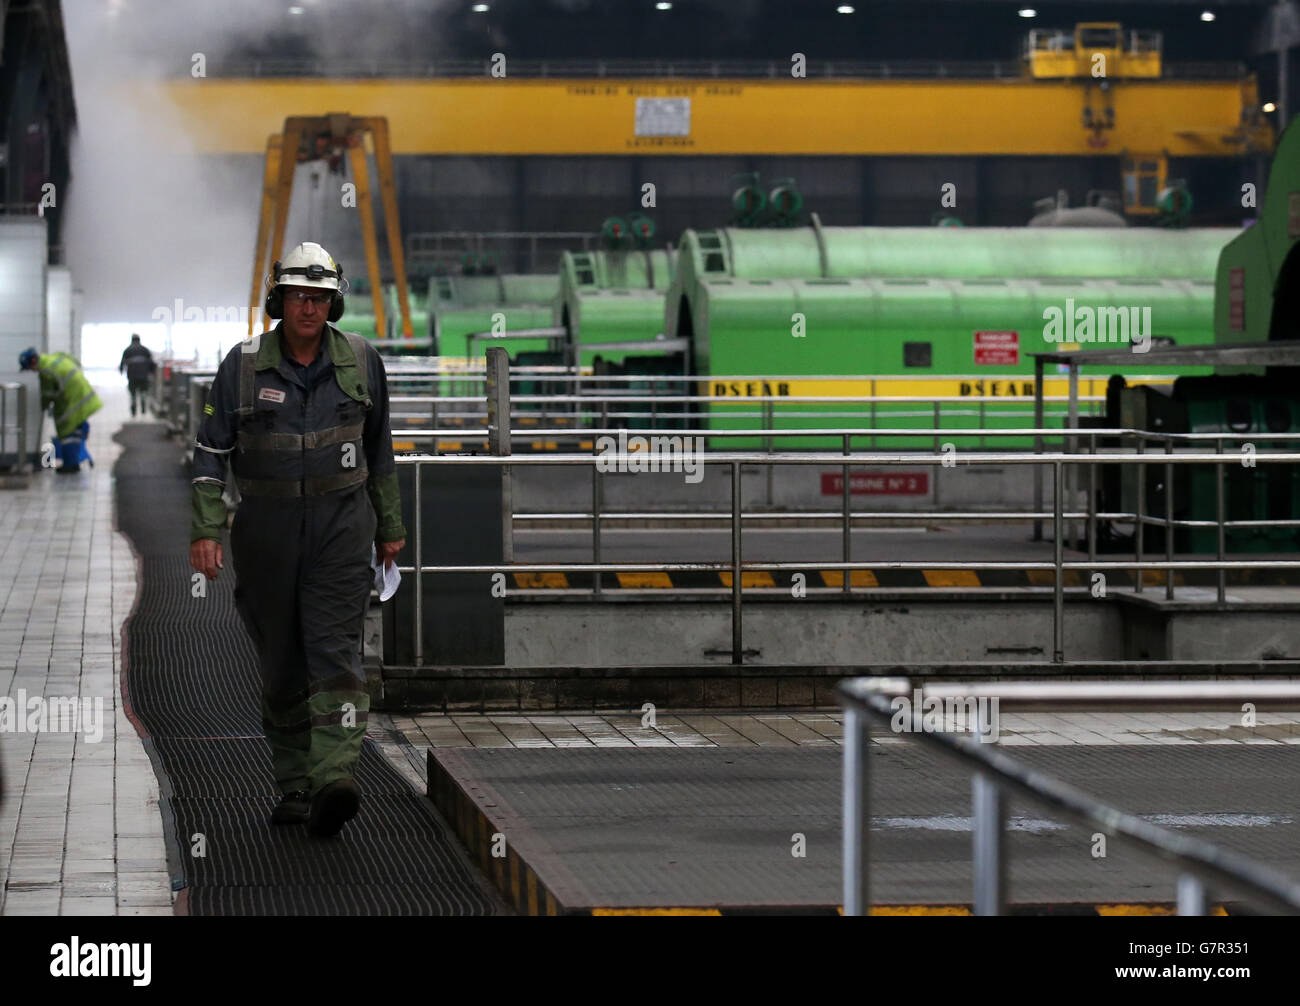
(387,578)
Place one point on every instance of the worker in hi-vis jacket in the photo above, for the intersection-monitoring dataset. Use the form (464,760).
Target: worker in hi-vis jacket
(69,396)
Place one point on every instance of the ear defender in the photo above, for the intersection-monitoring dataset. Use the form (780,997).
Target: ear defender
(274,296)
(336,305)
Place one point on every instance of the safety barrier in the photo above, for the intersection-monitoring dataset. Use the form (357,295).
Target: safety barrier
(737,566)
(1202,865)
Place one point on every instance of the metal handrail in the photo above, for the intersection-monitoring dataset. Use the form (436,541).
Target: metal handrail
(737,566)
(994,772)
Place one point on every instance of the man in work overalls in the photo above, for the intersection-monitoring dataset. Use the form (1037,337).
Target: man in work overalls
(301,413)
(65,388)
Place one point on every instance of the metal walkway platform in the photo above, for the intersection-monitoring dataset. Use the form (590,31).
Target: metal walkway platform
(612,831)
(192,685)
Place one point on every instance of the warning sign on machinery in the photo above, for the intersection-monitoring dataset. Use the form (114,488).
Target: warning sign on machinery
(997,349)
(893,483)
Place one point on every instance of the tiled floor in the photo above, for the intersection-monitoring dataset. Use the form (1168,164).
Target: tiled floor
(826,728)
(80,831)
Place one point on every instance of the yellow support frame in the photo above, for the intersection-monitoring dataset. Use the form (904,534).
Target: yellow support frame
(283,153)
(357,159)
(270,175)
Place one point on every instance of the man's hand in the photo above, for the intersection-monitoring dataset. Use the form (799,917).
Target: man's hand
(205,556)
(388,550)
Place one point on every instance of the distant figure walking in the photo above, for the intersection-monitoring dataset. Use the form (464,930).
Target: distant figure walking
(138,364)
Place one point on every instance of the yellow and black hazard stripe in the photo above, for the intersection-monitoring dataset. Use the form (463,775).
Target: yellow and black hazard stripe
(520,445)
(890,579)
(513,877)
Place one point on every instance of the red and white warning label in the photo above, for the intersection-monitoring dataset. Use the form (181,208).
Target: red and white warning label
(997,349)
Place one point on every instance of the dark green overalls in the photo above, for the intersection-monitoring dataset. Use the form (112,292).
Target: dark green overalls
(301,455)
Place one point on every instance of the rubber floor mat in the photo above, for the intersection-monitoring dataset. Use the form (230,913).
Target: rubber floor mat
(193,688)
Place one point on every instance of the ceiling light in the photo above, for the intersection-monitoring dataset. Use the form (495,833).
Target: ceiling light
(295,10)
(1269,107)
(663,5)
(1207,15)
(844,9)
(480,8)
(1027,12)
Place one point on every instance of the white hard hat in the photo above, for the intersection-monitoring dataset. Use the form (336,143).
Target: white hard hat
(308,264)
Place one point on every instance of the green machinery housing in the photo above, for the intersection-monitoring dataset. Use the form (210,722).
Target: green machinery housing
(460,306)
(926,312)
(612,297)
(1257,299)
(1257,281)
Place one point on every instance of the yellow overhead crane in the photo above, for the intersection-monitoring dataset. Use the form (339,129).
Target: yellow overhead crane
(1095,91)
(1093,49)
(329,137)
(1102,52)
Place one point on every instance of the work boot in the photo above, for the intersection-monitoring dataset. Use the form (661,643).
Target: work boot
(334,806)
(294,808)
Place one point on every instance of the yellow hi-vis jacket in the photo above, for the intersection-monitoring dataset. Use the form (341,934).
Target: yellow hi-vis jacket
(64,385)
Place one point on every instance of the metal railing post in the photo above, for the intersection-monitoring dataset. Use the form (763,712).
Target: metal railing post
(737,653)
(1139,530)
(419,571)
(596,486)
(1169,520)
(847,519)
(873,414)
(23,433)
(768,420)
(1070,445)
(1191,895)
(856,829)
(1092,500)
(1038,446)
(989,862)
(1221,574)
(1058,598)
